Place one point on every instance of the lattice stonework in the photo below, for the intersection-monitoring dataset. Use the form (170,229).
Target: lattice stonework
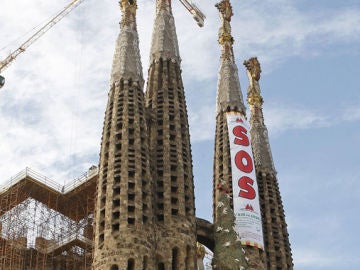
(171,159)
(123,216)
(229,98)
(276,237)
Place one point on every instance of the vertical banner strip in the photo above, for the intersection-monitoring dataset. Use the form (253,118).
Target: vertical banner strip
(245,190)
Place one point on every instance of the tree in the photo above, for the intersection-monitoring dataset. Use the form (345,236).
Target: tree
(228,253)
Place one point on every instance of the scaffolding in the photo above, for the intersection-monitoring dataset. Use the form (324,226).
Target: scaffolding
(44,225)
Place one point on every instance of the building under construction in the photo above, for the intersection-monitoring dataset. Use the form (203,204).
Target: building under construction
(137,211)
(45,225)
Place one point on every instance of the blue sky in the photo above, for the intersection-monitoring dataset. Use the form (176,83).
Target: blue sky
(53,104)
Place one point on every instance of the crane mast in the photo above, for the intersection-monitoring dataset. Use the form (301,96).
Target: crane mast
(12,56)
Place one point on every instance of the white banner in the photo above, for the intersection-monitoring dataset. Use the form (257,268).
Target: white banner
(245,190)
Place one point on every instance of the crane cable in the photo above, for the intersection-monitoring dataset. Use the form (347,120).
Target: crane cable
(75,106)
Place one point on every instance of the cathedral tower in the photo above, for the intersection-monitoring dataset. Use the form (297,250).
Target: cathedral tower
(171,161)
(229,105)
(124,232)
(276,237)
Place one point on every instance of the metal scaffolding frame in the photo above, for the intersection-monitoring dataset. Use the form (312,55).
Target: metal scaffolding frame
(44,225)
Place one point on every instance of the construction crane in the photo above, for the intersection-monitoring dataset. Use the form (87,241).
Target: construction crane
(198,16)
(12,56)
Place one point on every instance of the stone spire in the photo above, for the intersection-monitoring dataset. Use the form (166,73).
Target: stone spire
(127,63)
(262,152)
(170,150)
(124,231)
(229,96)
(276,237)
(164,40)
(229,100)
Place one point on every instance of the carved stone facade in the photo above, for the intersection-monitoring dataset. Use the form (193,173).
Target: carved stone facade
(171,161)
(229,98)
(124,233)
(145,212)
(276,237)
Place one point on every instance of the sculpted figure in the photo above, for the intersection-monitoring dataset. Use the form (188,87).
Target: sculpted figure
(225,10)
(253,71)
(253,67)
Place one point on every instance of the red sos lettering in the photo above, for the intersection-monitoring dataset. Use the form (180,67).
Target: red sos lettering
(246,190)
(243,162)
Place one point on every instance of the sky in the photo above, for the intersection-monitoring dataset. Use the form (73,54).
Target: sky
(52,105)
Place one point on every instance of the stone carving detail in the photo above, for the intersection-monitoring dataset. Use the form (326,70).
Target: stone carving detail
(128,8)
(229,96)
(229,93)
(225,9)
(164,40)
(277,246)
(225,38)
(253,66)
(127,61)
(259,137)
(253,71)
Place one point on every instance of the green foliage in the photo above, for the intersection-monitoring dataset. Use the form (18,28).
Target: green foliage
(228,253)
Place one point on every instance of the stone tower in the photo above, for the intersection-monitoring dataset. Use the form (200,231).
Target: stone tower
(229,101)
(124,231)
(169,141)
(276,237)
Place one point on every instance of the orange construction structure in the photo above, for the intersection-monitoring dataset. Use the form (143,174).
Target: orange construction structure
(45,225)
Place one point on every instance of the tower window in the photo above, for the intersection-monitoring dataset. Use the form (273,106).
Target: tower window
(116,215)
(114,267)
(116,191)
(175,259)
(116,203)
(131,185)
(174,200)
(115,227)
(101,238)
(131,220)
(131,264)
(145,263)
(117,179)
(160,183)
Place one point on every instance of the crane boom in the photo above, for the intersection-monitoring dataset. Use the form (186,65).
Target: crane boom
(11,57)
(198,16)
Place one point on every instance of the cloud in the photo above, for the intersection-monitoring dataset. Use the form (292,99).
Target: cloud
(280,118)
(283,117)
(351,113)
(277,30)
(320,259)
(202,124)
(54,100)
